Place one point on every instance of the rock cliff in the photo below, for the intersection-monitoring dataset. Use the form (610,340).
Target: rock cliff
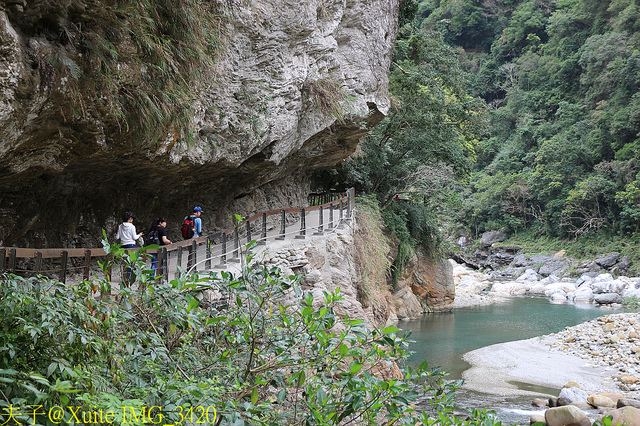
(157,106)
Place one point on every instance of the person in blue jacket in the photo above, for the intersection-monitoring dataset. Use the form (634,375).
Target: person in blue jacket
(197,222)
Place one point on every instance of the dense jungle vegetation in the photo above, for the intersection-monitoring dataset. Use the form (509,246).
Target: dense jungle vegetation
(528,121)
(561,79)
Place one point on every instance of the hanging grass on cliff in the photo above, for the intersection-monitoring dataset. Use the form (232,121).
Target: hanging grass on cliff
(141,59)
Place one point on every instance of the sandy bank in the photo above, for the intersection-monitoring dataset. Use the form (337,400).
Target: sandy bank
(530,361)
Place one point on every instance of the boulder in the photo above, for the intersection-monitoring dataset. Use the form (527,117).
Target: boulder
(601,401)
(508,288)
(560,254)
(572,394)
(529,275)
(490,237)
(607,298)
(536,418)
(603,278)
(607,260)
(628,416)
(584,279)
(628,402)
(554,267)
(624,264)
(539,402)
(566,416)
(615,397)
(628,379)
(520,261)
(558,297)
(583,295)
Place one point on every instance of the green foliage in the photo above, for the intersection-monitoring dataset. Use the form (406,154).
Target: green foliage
(425,142)
(143,58)
(253,357)
(432,127)
(563,78)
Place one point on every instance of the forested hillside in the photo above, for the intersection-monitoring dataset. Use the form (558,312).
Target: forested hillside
(561,78)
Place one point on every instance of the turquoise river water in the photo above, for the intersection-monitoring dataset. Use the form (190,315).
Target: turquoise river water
(443,338)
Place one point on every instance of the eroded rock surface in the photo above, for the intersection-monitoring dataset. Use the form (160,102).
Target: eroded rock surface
(72,158)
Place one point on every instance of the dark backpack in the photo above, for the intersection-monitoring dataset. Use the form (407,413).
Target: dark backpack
(188,227)
(152,237)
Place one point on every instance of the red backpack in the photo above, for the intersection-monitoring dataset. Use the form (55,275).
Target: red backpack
(188,227)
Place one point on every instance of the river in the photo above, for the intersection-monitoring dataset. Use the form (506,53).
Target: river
(442,339)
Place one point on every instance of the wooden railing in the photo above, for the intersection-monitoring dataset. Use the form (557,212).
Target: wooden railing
(316,199)
(224,245)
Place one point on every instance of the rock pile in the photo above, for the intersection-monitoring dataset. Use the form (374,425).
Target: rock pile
(612,341)
(574,407)
(287,259)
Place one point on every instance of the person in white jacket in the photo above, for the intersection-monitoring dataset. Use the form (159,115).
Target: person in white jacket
(127,232)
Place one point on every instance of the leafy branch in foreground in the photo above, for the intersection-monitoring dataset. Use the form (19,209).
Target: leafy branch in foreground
(254,346)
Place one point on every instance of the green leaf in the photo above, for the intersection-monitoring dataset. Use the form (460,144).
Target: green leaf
(193,304)
(355,367)
(254,396)
(343,349)
(390,329)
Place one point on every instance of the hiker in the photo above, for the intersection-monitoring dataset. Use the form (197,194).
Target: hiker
(127,236)
(127,232)
(192,224)
(157,235)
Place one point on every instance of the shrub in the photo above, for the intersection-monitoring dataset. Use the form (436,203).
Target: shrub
(261,351)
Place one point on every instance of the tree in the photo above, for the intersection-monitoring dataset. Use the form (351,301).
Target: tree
(433,123)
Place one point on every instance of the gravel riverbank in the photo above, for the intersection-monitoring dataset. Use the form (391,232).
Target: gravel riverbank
(601,354)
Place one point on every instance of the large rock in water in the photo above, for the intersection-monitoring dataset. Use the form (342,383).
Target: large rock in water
(608,298)
(86,134)
(571,395)
(628,416)
(566,416)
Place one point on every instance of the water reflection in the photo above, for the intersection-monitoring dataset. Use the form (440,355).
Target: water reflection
(443,338)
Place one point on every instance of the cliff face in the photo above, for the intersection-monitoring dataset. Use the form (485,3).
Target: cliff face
(102,112)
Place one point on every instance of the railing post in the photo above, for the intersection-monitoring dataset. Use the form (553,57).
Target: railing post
(223,258)
(341,215)
(303,225)
(331,216)
(38,256)
(3,260)
(194,254)
(12,260)
(349,201)
(283,218)
(179,259)
(236,245)
(263,236)
(87,263)
(248,232)
(320,230)
(63,265)
(165,263)
(208,262)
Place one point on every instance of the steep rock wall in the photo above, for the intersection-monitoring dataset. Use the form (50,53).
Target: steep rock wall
(70,164)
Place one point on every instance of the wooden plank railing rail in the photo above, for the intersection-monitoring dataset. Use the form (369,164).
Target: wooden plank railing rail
(201,251)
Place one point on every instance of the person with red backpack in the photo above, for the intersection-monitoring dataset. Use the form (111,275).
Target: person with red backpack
(192,224)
